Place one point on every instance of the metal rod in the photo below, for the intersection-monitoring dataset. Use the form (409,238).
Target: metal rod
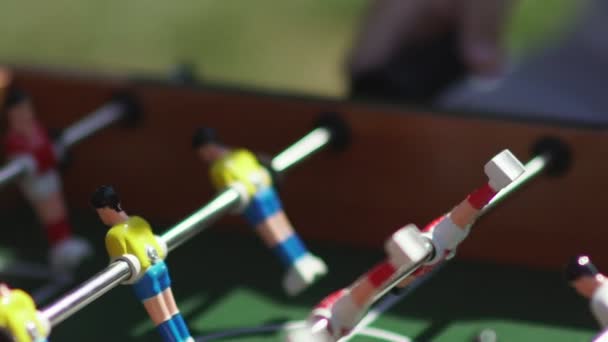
(202,218)
(301,149)
(92,123)
(99,284)
(13,170)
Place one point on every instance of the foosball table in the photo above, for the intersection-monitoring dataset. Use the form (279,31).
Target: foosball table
(330,187)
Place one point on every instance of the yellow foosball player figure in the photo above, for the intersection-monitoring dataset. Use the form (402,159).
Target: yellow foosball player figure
(19,319)
(240,169)
(132,240)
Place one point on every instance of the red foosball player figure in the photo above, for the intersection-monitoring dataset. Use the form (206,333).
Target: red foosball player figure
(582,275)
(446,232)
(20,321)
(240,169)
(340,312)
(27,139)
(131,239)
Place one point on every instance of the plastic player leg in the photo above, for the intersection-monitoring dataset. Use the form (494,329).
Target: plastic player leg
(304,272)
(149,290)
(503,169)
(176,317)
(182,328)
(264,204)
(323,322)
(406,246)
(304,268)
(168,331)
(266,214)
(290,250)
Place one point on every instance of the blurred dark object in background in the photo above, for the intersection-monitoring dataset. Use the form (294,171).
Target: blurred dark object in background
(418,73)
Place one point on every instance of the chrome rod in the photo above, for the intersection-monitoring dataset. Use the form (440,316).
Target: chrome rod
(301,149)
(95,287)
(92,123)
(201,219)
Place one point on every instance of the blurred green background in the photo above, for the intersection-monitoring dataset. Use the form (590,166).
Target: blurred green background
(296,46)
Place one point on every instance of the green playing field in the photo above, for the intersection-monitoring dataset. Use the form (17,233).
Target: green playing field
(226,281)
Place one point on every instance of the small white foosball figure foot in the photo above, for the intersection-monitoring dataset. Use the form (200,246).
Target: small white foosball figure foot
(69,253)
(503,169)
(407,246)
(303,273)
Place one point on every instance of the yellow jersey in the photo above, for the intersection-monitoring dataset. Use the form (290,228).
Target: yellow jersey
(240,166)
(134,236)
(17,310)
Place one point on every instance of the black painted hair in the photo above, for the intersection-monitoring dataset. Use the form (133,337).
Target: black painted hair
(14,96)
(203,136)
(578,267)
(105,197)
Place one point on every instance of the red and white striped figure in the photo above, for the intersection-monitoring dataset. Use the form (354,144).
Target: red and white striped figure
(340,312)
(28,141)
(336,315)
(449,230)
(343,309)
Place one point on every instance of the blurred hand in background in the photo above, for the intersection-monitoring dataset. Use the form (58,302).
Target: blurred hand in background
(475,30)
(479,24)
